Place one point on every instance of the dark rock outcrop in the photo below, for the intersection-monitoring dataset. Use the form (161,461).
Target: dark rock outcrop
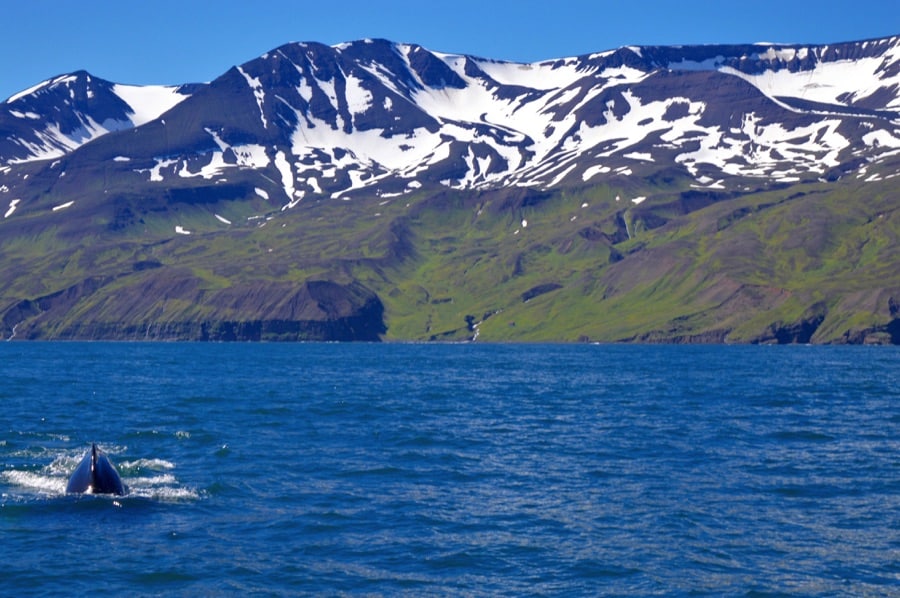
(794,333)
(316,310)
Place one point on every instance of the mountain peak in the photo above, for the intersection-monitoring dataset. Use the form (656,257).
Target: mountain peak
(61,114)
(376,115)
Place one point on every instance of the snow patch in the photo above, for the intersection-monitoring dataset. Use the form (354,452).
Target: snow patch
(287,177)
(881,138)
(12,207)
(359,99)
(593,171)
(51,142)
(840,82)
(541,76)
(258,92)
(313,183)
(249,155)
(148,102)
(28,115)
(156,172)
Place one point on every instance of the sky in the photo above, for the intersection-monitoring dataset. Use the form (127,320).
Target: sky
(143,42)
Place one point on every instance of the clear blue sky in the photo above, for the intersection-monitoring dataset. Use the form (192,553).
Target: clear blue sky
(170,42)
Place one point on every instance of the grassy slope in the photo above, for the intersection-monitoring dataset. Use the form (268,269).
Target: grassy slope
(446,263)
(729,271)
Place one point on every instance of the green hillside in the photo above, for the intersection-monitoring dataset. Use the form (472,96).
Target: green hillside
(811,262)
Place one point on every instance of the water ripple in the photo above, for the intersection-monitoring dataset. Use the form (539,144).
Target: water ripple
(463,469)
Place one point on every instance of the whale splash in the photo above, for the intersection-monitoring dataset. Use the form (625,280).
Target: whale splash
(95,475)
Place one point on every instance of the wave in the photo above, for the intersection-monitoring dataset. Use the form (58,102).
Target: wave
(49,481)
(43,484)
(165,493)
(139,464)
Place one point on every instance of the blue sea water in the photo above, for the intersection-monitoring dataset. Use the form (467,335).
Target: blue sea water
(405,469)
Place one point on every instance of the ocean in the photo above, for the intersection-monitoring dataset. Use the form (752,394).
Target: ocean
(452,469)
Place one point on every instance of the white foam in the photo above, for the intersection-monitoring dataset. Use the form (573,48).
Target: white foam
(155,464)
(165,494)
(43,483)
(63,465)
(160,480)
(51,480)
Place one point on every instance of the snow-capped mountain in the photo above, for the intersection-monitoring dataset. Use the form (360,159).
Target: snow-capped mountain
(61,114)
(385,119)
(695,194)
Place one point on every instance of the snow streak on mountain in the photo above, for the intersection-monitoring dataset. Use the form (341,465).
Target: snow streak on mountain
(57,116)
(682,194)
(385,119)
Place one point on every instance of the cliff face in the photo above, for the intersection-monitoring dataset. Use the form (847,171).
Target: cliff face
(169,308)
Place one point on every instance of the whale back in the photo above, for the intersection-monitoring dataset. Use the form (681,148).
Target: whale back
(95,474)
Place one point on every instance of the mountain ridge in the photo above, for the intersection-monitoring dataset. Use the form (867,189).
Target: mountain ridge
(652,134)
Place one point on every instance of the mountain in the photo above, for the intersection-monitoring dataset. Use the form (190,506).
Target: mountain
(61,114)
(372,189)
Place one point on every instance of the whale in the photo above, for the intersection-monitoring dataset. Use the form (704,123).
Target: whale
(95,474)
